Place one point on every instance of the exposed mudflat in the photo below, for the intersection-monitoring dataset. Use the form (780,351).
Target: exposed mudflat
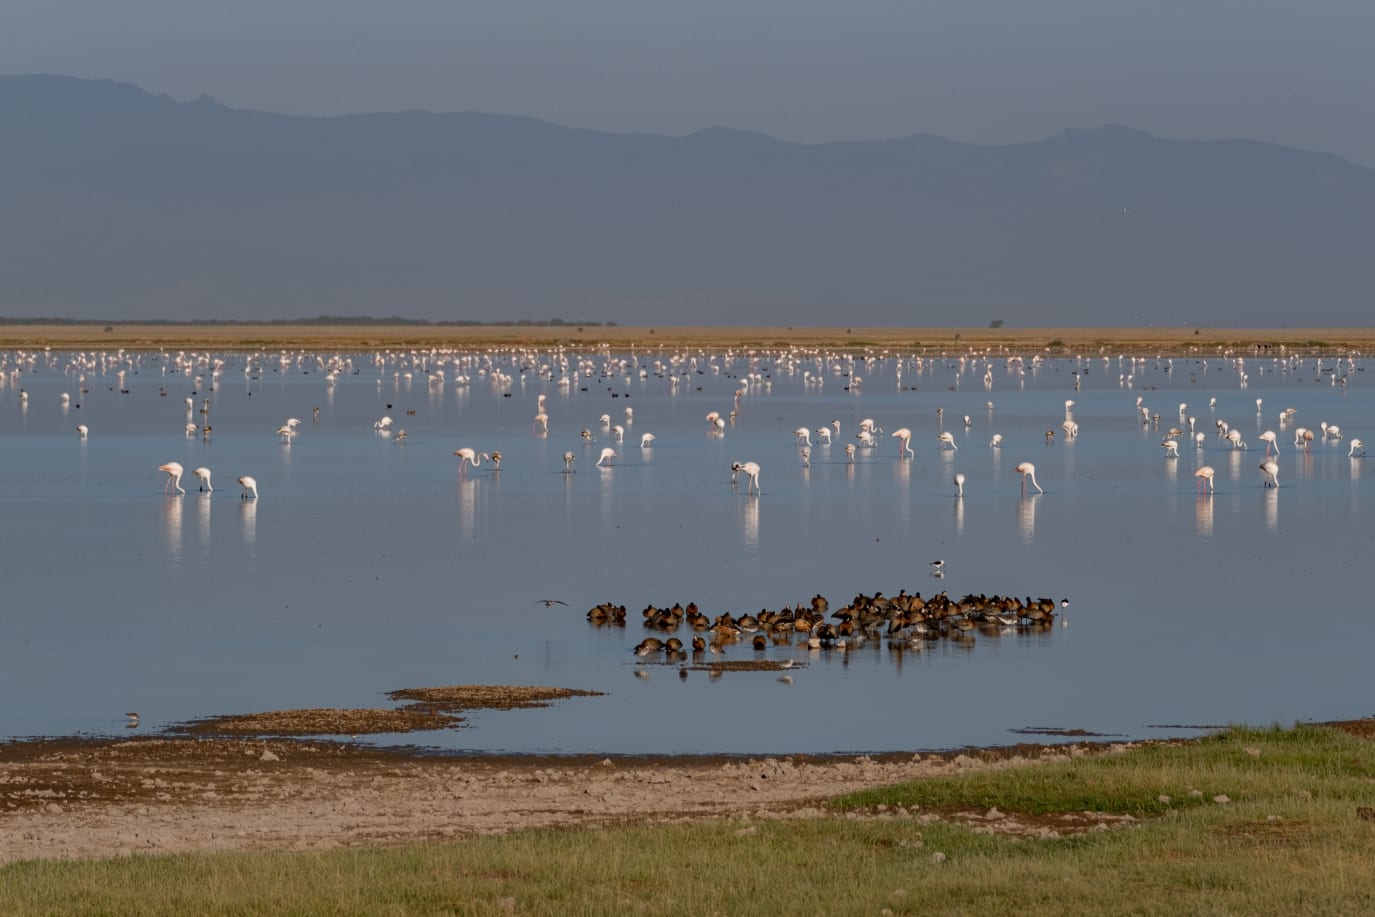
(75,798)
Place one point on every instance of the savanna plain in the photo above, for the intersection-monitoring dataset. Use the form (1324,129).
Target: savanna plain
(1257,819)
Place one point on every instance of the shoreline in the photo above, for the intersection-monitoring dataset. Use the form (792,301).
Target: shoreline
(84,798)
(1096,341)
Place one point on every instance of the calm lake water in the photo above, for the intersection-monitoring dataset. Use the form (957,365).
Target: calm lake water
(368,565)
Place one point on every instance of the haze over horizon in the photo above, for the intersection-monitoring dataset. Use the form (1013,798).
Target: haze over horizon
(981,71)
(939,163)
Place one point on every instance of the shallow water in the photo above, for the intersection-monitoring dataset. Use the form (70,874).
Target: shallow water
(368,565)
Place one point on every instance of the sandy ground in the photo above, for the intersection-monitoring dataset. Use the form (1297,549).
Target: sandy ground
(71,798)
(76,798)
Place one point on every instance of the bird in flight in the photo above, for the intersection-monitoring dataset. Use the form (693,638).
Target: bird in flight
(550,603)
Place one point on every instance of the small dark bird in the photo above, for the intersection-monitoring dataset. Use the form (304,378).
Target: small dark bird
(938,568)
(550,603)
(133,720)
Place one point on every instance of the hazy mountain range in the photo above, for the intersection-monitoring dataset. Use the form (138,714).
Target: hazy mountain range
(115,203)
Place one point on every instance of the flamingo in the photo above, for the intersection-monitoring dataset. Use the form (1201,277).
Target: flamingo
(904,438)
(202,475)
(1268,437)
(1356,444)
(850,452)
(568,458)
(647,441)
(749,469)
(1307,439)
(607,455)
(1028,470)
(804,436)
(466,457)
(82,430)
(250,487)
(959,485)
(618,433)
(286,433)
(174,472)
(1204,475)
(996,441)
(543,420)
(947,439)
(1271,472)
(1171,448)
(1234,437)
(823,436)
(1071,429)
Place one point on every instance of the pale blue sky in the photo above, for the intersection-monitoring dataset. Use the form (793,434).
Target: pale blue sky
(980,70)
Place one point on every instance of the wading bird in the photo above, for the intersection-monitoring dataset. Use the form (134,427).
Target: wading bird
(1271,471)
(468,456)
(607,455)
(203,477)
(1028,470)
(959,485)
(568,458)
(1356,444)
(250,487)
(750,470)
(904,438)
(174,472)
(1204,475)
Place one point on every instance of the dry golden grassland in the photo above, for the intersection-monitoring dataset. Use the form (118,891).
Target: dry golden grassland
(931,340)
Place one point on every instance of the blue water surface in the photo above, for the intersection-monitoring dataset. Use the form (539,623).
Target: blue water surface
(369,564)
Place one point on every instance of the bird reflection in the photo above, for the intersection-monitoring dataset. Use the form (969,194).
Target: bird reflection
(959,515)
(248,518)
(1203,516)
(171,524)
(1271,510)
(751,520)
(1026,516)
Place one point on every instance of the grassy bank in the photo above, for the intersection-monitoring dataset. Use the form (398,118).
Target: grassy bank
(1251,821)
(1024,341)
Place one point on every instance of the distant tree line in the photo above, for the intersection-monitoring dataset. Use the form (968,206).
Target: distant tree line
(318,320)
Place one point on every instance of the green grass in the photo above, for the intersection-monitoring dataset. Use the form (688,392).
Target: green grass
(1289,842)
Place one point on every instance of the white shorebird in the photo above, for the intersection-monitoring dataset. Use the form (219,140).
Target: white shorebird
(803,435)
(750,470)
(647,441)
(959,485)
(1356,444)
(1171,448)
(607,455)
(947,439)
(568,458)
(203,477)
(82,430)
(1028,470)
(1271,471)
(1204,475)
(904,438)
(996,441)
(250,487)
(468,456)
(174,473)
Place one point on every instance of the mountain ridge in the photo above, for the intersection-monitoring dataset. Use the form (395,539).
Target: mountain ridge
(117,201)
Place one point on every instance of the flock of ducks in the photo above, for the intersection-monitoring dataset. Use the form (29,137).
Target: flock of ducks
(904,621)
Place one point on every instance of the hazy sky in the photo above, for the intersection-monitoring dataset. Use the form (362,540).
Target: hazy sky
(1301,74)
